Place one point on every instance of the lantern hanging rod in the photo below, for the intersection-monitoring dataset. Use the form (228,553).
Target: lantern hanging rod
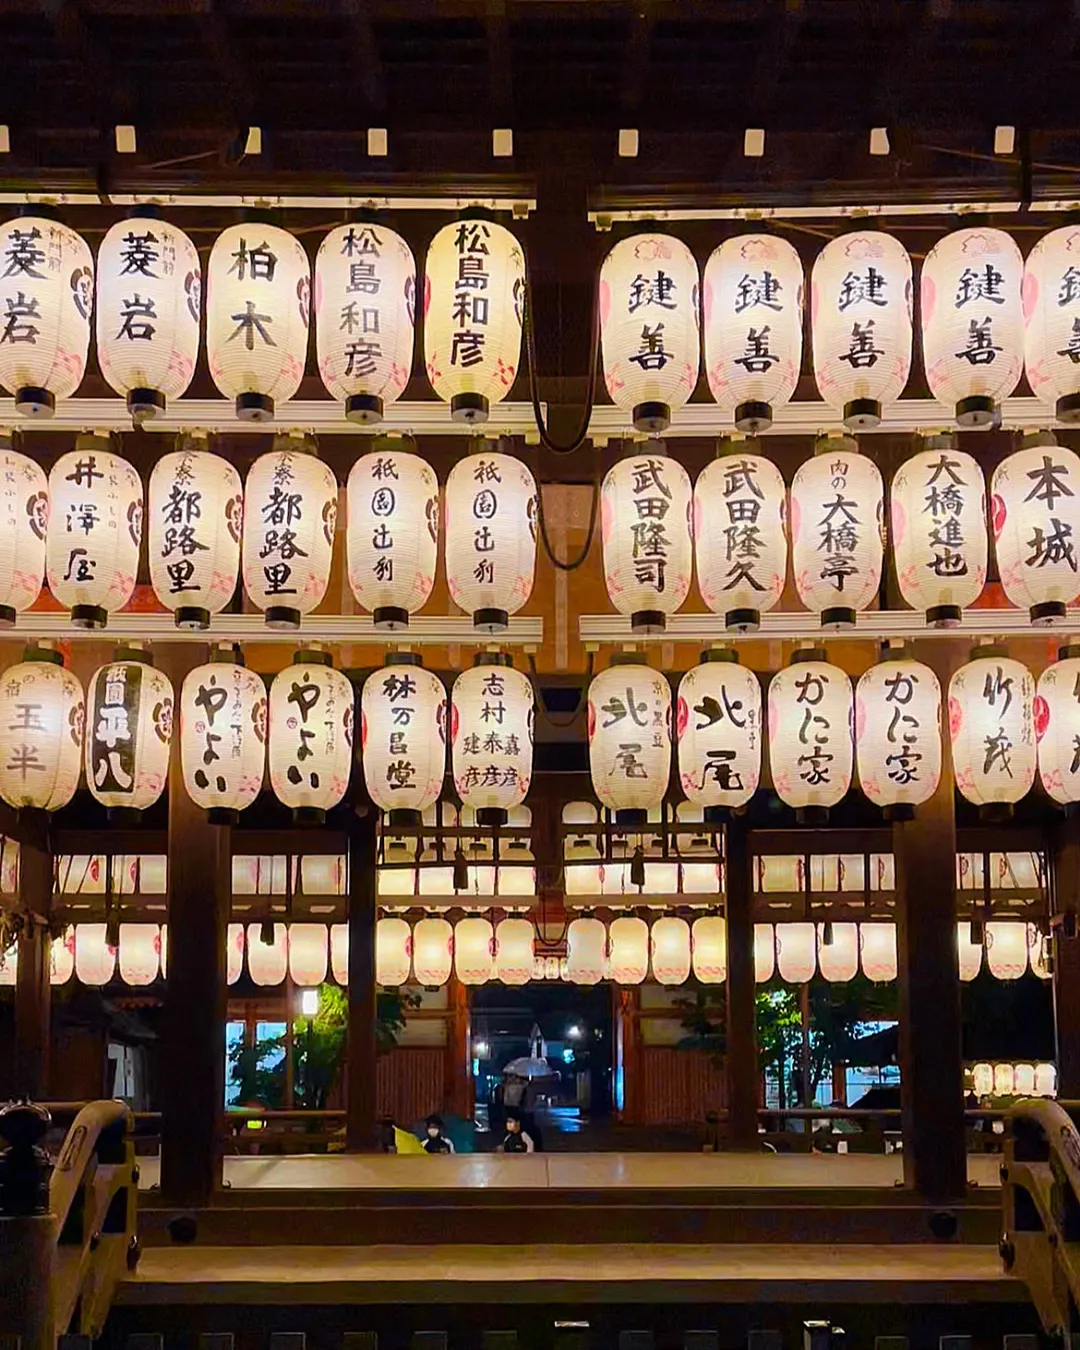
(603,218)
(518,207)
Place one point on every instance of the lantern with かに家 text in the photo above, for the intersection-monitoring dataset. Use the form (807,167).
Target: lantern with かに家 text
(898,733)
(42,713)
(310,739)
(129,722)
(810,745)
(223,736)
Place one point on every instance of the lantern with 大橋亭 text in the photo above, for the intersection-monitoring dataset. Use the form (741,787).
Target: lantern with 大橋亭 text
(310,737)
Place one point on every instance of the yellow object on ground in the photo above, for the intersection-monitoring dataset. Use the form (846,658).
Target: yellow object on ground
(405,1142)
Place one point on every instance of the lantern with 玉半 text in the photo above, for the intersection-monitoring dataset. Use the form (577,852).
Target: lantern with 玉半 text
(586,950)
(403,737)
(433,952)
(709,949)
(42,713)
(629,730)
(24,519)
(719,732)
(129,720)
(310,737)
(1051,296)
(1057,727)
(669,941)
(223,737)
(810,734)
(898,734)
(492,737)
(991,726)
(645,530)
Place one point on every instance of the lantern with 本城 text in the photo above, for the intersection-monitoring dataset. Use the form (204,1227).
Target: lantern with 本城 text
(474,947)
(709,949)
(718,728)
(877,951)
(309,950)
(393,952)
(629,729)
(628,947)
(223,737)
(95,956)
(969,952)
(1057,727)
(140,953)
(492,737)
(796,952)
(403,737)
(898,734)
(310,739)
(669,940)
(586,950)
(1051,296)
(268,962)
(810,734)
(991,725)
(514,951)
(645,524)
(129,720)
(433,952)
(42,713)
(1007,949)
(838,951)
(24,519)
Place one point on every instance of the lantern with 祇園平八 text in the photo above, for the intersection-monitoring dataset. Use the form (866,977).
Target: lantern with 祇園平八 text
(403,737)
(645,530)
(310,737)
(992,729)
(810,734)
(719,733)
(42,714)
(898,733)
(223,712)
(492,737)
(129,722)
(629,730)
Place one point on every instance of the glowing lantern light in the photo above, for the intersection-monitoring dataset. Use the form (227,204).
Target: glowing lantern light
(1045,1080)
(1004,1080)
(474,294)
(1040,951)
(898,734)
(62,957)
(309,950)
(764,952)
(258,302)
(223,737)
(365,308)
(982,1080)
(491,506)
(514,951)
(1006,949)
(628,945)
(709,952)
(95,958)
(1057,725)
(310,744)
(129,720)
(268,962)
(838,951)
(149,292)
(393,953)
(970,954)
(234,953)
(492,741)
(433,952)
(1052,318)
(645,511)
(718,726)
(629,728)
(860,321)
(42,713)
(140,953)
(586,948)
(24,518)
(796,952)
(1024,1080)
(877,946)
(403,737)
(814,774)
(991,725)
(9,966)
(339,952)
(474,950)
(670,942)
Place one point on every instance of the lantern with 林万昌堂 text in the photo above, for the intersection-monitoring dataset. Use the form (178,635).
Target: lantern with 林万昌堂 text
(719,733)
(898,733)
(42,713)
(310,737)
(403,737)
(629,730)
(810,734)
(223,711)
(129,722)
(645,530)
(992,729)
(492,737)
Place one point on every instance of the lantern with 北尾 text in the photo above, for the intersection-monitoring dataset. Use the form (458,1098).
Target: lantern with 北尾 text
(223,711)
(42,714)
(719,733)
(1057,727)
(129,722)
(810,734)
(898,733)
(629,730)
(492,737)
(403,737)
(310,737)
(645,530)
(991,726)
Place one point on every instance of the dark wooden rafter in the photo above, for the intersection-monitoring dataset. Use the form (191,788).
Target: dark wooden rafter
(500,66)
(115,98)
(365,52)
(236,89)
(635,60)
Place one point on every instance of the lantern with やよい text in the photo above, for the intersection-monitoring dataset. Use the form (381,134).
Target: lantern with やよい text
(42,715)
(515,941)
(629,721)
(719,733)
(628,948)
(310,736)
(403,737)
(669,940)
(1057,727)
(709,949)
(393,951)
(810,734)
(492,737)
(586,949)
(898,734)
(223,712)
(645,530)
(24,518)
(129,723)
(433,952)
(991,725)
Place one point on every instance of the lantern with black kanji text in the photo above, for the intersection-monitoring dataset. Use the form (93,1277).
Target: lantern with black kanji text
(629,729)
(492,737)
(1051,298)
(645,530)
(223,712)
(898,734)
(129,724)
(42,712)
(403,737)
(719,732)
(310,737)
(1057,727)
(992,730)
(810,734)
(24,519)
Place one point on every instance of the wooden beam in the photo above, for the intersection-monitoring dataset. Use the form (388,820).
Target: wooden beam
(361,1046)
(501,73)
(741,1056)
(365,50)
(33,993)
(1066,906)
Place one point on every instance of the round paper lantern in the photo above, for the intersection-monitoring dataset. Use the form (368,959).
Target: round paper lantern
(1057,727)
(1024,1080)
(365,307)
(877,949)
(764,953)
(1040,951)
(309,950)
(339,952)
(1006,949)
(837,509)
(223,737)
(95,958)
(196,506)
(474,295)
(991,725)
(670,945)
(645,515)
(140,953)
(474,947)
(149,291)
(1045,1080)
(129,718)
(491,506)
(1035,510)
(24,518)
(46,290)
(972,322)
(393,953)
(433,951)
(740,537)
(514,948)
(629,729)
(258,300)
(969,953)
(982,1080)
(938,500)
(586,950)
(898,734)
(392,532)
(838,951)
(311,717)
(1051,294)
(62,957)
(42,713)
(1004,1080)
(810,749)
(753,326)
(492,742)
(268,962)
(95,516)
(9,966)
(709,949)
(628,946)
(718,726)
(403,737)
(796,952)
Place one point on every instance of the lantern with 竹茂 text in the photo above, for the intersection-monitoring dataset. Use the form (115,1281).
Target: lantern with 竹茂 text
(491,507)
(514,951)
(1057,727)
(669,942)
(433,951)
(474,950)
(628,948)
(991,726)
(310,738)
(898,734)
(403,737)
(129,720)
(393,952)
(629,730)
(42,712)
(810,734)
(223,737)
(877,951)
(709,949)
(1051,297)
(24,519)
(492,737)
(586,950)
(645,525)
(718,728)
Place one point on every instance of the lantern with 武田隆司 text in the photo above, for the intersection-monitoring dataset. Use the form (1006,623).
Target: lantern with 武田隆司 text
(645,530)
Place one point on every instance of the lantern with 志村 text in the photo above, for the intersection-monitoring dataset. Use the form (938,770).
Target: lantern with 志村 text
(492,737)
(433,952)
(24,519)
(365,308)
(474,948)
(129,720)
(645,529)
(310,740)
(810,734)
(1051,295)
(223,737)
(403,737)
(877,951)
(393,952)
(629,730)
(991,726)
(514,951)
(709,939)
(1057,727)
(41,732)
(898,734)
(628,948)
(718,728)
(669,941)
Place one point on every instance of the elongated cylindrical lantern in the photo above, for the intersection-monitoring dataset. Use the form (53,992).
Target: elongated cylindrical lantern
(629,729)
(709,951)
(474,950)
(860,324)
(491,507)
(898,734)
(474,298)
(719,732)
(514,951)
(877,951)
(258,305)
(140,953)
(764,952)
(196,512)
(972,322)
(290,508)
(645,529)
(339,952)
(753,302)
(796,952)
(969,952)
(669,942)
(628,949)
(838,951)
(393,952)
(310,742)
(149,293)
(938,506)
(1007,949)
(42,713)
(1057,727)
(365,308)
(992,728)
(1051,295)
(129,723)
(95,527)
(403,737)
(810,734)
(586,950)
(740,537)
(24,519)
(433,952)
(392,532)
(492,737)
(837,510)
(46,294)
(95,956)
(62,957)
(309,951)
(649,338)
(268,962)
(1035,510)
(223,737)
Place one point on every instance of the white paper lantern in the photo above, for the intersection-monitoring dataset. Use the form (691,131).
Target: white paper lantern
(9,966)
(753,326)
(740,537)
(433,952)
(149,293)
(1035,510)
(764,953)
(129,721)
(629,729)
(62,957)
(670,945)
(42,714)
(95,528)
(969,953)
(837,506)
(403,737)
(991,725)
(492,739)
(310,743)
(24,519)
(1024,1080)
(898,734)
(877,948)
(268,962)
(718,725)
(649,327)
(365,307)
(339,952)
(1040,951)
(474,296)
(491,506)
(46,293)
(1045,1080)
(393,953)
(838,957)
(1006,949)
(514,951)
(1051,295)
(628,947)
(1004,1080)
(709,949)
(972,322)
(258,304)
(223,738)
(810,744)
(1057,728)
(645,530)
(474,950)
(860,321)
(938,501)
(309,950)
(95,959)
(982,1080)
(586,949)
(392,532)
(140,953)
(796,952)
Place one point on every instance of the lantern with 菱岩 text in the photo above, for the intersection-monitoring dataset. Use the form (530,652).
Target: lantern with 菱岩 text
(1051,297)
(753,302)
(837,550)
(474,950)
(796,952)
(474,303)
(586,950)
(149,291)
(433,951)
(669,942)
(877,951)
(310,740)
(268,961)
(393,952)
(629,730)
(129,720)
(365,308)
(860,324)
(1035,512)
(628,949)
(46,289)
(95,516)
(1057,727)
(645,511)
(514,951)
(258,299)
(810,734)
(709,949)
(95,955)
(838,951)
(392,505)
(898,734)
(491,507)
(223,736)
(991,726)
(403,737)
(309,950)
(938,507)
(492,737)
(42,712)
(140,953)
(24,519)
(972,322)
(718,728)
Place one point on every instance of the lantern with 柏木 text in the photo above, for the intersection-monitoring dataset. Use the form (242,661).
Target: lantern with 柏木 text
(492,738)
(129,721)
(586,950)
(433,952)
(310,738)
(42,713)
(403,737)
(223,737)
(645,530)
(719,732)
(810,734)
(629,730)
(1057,727)
(991,725)
(24,519)
(898,734)
(1051,296)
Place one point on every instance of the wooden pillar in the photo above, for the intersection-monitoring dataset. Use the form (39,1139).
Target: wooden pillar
(33,993)
(1065,861)
(628,1052)
(741,1053)
(361,1046)
(457,1069)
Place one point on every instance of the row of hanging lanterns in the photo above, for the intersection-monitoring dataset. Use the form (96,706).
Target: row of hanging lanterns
(1014,1080)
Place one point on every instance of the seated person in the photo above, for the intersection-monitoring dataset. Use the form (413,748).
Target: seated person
(437,1141)
(517,1139)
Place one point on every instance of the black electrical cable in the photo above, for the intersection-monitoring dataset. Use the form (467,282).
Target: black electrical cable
(590,391)
(594,513)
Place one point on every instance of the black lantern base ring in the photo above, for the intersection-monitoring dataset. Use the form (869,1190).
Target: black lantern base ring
(838,616)
(631,815)
(742,620)
(282,617)
(193,618)
(308,815)
(716,815)
(7,616)
(254,407)
(1068,408)
(976,411)
(651,417)
(899,811)
(861,414)
(222,815)
(491,620)
(33,401)
(404,818)
(391,618)
(470,408)
(88,616)
(753,417)
(812,815)
(144,404)
(995,813)
(648,621)
(123,815)
(364,409)
(491,816)
(944,616)
(1048,613)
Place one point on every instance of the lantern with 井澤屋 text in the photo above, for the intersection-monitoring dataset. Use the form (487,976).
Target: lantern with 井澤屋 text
(223,736)
(310,736)
(42,712)
(709,949)
(403,737)
(719,732)
(898,734)
(492,737)
(129,722)
(1057,727)
(645,531)
(810,734)
(24,518)
(393,952)
(1051,298)
(433,951)
(629,730)
(669,944)
(586,950)
(992,729)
